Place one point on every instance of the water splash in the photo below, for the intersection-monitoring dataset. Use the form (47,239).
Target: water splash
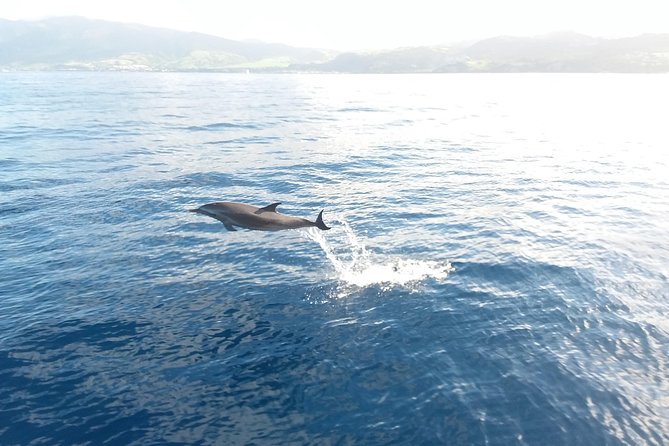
(357,266)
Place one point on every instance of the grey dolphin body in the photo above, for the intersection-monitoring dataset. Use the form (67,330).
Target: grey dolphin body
(251,217)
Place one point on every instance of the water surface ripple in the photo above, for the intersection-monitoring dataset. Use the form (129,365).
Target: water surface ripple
(497,272)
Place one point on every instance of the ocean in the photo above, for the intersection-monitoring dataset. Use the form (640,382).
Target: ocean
(496,272)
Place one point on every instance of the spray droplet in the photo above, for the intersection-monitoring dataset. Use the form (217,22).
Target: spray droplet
(357,266)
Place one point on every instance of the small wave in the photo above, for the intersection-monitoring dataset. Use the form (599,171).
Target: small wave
(357,266)
(36,183)
(358,109)
(246,140)
(221,126)
(9,163)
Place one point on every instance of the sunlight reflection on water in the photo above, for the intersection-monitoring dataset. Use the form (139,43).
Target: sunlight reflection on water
(548,193)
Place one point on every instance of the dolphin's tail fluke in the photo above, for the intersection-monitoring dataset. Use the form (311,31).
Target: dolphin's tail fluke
(319,222)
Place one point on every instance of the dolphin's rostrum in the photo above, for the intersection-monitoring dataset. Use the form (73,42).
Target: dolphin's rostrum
(242,215)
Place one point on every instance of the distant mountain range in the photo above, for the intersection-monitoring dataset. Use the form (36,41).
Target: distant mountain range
(75,43)
(555,52)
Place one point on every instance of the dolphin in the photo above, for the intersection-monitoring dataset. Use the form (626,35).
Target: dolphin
(242,215)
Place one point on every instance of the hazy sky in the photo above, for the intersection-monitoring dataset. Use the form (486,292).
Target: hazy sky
(365,24)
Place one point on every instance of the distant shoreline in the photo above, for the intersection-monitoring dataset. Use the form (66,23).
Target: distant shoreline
(82,45)
(240,73)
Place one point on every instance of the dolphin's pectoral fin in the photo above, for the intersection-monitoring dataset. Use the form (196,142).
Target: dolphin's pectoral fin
(268,208)
(229,227)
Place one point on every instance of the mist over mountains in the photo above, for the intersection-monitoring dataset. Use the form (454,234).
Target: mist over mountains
(75,43)
(555,52)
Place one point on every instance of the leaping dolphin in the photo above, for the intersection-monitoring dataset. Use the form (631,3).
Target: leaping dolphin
(251,217)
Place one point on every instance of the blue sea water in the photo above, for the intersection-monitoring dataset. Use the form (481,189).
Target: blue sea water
(496,273)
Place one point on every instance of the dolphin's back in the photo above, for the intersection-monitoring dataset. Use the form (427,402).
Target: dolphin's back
(237,208)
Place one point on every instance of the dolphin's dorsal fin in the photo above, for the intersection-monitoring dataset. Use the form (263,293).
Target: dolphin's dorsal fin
(268,208)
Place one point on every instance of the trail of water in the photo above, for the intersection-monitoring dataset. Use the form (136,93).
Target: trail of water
(356,265)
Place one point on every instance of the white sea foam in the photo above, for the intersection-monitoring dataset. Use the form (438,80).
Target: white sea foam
(356,265)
